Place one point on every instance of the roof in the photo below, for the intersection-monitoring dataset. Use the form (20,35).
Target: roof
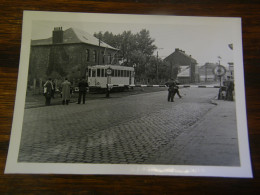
(208,65)
(112,67)
(73,35)
(179,57)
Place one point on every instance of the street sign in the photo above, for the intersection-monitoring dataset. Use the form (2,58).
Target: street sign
(109,71)
(219,70)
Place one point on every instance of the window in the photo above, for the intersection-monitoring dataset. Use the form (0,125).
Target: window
(89,72)
(93,73)
(109,58)
(103,57)
(98,72)
(102,72)
(121,73)
(87,55)
(113,73)
(94,56)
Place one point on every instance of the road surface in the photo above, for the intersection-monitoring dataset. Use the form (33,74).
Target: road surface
(130,130)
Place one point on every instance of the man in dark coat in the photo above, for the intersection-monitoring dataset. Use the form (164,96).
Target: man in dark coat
(177,89)
(171,89)
(83,84)
(229,89)
(48,87)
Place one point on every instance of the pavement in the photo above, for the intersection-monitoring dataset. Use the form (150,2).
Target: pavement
(211,141)
(38,100)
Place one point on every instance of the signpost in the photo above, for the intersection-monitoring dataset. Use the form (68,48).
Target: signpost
(108,72)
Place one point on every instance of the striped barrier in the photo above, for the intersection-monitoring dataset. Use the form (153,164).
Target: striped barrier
(199,86)
(181,86)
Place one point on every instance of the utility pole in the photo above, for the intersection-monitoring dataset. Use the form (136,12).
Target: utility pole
(157,65)
(98,49)
(206,73)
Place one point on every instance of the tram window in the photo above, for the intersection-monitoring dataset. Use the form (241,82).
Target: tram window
(113,73)
(93,73)
(89,72)
(98,72)
(121,73)
(116,73)
(102,73)
(127,73)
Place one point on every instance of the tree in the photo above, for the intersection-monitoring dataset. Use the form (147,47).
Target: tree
(134,49)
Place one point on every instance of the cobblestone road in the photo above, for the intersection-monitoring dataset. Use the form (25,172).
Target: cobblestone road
(125,130)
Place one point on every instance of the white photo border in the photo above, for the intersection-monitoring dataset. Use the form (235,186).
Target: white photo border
(12,166)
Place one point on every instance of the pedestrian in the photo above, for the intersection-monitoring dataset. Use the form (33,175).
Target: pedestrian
(54,89)
(65,92)
(83,84)
(229,89)
(171,89)
(48,87)
(176,88)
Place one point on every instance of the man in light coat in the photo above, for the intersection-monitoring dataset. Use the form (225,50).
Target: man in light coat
(65,91)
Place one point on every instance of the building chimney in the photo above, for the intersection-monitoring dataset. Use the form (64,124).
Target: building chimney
(57,35)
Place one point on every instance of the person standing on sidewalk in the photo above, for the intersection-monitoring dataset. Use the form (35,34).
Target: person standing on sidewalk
(48,87)
(65,91)
(230,89)
(53,89)
(83,84)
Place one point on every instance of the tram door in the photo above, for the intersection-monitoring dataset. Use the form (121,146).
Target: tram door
(92,76)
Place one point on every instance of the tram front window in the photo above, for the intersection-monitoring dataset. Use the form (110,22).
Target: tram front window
(93,73)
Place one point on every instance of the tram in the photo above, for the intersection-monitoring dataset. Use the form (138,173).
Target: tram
(120,77)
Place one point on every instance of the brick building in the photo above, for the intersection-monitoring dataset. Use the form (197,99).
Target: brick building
(182,66)
(67,53)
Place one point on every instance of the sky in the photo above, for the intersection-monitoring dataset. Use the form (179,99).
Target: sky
(203,41)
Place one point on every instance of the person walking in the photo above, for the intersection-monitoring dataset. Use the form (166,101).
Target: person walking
(176,88)
(65,92)
(83,84)
(171,89)
(48,87)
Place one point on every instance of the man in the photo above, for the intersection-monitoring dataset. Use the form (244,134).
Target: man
(83,84)
(48,87)
(229,89)
(171,89)
(65,91)
(177,89)
(53,89)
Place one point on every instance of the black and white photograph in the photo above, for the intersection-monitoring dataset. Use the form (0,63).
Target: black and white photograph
(130,94)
